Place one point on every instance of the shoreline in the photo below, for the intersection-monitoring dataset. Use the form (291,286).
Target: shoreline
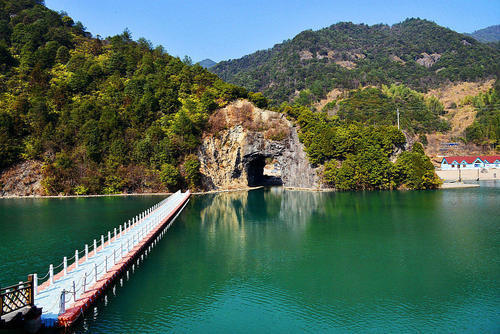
(125,195)
(469,174)
(445,185)
(309,189)
(458,185)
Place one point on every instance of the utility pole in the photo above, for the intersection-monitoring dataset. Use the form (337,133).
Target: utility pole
(397,111)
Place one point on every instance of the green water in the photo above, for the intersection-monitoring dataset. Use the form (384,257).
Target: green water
(274,261)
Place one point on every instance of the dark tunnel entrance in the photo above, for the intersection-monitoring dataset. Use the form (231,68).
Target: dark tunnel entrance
(263,172)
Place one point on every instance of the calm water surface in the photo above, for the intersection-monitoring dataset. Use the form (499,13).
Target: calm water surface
(274,261)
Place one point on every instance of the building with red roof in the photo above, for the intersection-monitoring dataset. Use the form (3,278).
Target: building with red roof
(473,161)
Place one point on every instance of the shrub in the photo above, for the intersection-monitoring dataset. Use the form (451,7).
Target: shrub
(170,176)
(81,190)
(192,171)
(415,169)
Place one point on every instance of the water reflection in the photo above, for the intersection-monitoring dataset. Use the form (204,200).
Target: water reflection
(275,203)
(286,261)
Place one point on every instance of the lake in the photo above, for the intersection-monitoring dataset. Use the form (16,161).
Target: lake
(276,261)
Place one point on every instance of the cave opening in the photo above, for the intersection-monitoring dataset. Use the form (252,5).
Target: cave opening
(263,171)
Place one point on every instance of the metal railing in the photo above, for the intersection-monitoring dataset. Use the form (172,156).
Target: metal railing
(23,294)
(16,297)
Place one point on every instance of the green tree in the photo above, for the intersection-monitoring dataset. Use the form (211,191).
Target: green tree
(62,55)
(170,176)
(192,171)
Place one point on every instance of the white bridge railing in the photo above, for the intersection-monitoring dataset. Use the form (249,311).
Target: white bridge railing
(95,260)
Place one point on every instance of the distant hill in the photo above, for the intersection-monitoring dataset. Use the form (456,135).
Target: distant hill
(207,63)
(416,52)
(489,34)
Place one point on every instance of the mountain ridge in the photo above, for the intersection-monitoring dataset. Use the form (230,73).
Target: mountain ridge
(207,63)
(489,34)
(416,52)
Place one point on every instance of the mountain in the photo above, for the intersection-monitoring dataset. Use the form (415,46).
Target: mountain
(83,115)
(416,52)
(99,116)
(207,63)
(487,35)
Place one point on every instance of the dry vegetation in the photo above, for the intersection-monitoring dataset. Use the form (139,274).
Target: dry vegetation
(460,116)
(243,113)
(332,95)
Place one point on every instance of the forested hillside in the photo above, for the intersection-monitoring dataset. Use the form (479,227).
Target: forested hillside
(116,115)
(486,127)
(359,156)
(104,115)
(417,53)
(487,35)
(379,106)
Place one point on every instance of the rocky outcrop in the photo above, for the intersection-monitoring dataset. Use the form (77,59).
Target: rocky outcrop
(427,60)
(242,140)
(346,64)
(23,179)
(305,55)
(396,59)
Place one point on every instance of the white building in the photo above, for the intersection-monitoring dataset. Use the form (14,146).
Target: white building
(477,161)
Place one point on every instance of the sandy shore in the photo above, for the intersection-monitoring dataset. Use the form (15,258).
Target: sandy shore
(470,174)
(458,185)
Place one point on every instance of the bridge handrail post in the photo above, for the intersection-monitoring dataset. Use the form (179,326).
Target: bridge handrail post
(109,236)
(76,259)
(114,233)
(35,284)
(31,297)
(102,241)
(86,252)
(65,265)
(114,256)
(1,303)
(74,292)
(95,247)
(120,228)
(106,264)
(51,274)
(62,302)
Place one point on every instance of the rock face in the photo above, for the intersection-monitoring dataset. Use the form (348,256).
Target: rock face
(23,179)
(427,60)
(242,140)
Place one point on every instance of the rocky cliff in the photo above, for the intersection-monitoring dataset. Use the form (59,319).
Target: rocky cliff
(248,146)
(243,146)
(23,179)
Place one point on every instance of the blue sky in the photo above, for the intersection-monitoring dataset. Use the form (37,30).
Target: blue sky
(222,29)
